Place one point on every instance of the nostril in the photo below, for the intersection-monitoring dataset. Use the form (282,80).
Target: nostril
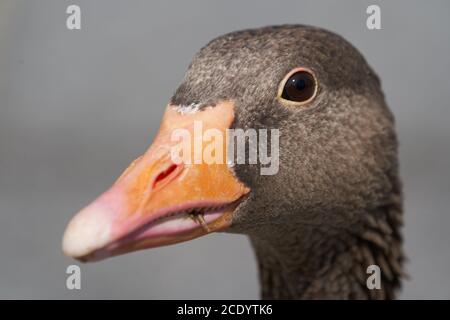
(164,175)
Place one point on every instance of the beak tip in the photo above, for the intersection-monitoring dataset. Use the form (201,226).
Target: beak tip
(88,231)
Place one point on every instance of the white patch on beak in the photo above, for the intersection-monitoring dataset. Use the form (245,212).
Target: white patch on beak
(191,108)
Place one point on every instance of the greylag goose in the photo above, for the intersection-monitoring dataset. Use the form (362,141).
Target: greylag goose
(334,206)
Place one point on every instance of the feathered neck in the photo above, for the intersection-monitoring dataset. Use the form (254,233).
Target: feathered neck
(315,262)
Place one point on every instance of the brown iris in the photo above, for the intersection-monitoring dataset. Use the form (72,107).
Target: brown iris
(298,87)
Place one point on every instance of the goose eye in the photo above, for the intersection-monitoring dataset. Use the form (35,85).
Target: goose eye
(298,87)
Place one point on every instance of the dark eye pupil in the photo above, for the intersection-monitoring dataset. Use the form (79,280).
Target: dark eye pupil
(299,87)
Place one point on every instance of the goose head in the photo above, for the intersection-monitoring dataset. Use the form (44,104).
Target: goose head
(324,208)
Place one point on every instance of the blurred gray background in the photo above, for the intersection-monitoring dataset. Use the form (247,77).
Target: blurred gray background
(77,106)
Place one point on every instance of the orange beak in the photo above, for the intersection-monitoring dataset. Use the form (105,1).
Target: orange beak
(159,201)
